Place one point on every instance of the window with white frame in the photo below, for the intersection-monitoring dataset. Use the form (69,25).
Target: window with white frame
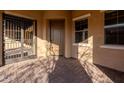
(114,27)
(81,31)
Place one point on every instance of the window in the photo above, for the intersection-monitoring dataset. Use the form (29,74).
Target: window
(81,31)
(114,27)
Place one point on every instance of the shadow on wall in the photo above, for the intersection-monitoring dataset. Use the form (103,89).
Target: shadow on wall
(74,71)
(62,70)
(57,69)
(85,53)
(81,70)
(96,73)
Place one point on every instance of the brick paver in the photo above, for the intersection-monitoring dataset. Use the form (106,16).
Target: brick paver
(61,70)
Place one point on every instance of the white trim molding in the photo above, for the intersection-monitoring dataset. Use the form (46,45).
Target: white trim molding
(116,25)
(81,17)
(17,14)
(119,47)
(81,44)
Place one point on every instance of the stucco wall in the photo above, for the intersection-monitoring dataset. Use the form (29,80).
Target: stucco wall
(36,15)
(112,58)
(82,51)
(42,18)
(66,15)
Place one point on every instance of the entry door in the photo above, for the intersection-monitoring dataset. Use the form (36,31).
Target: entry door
(57,36)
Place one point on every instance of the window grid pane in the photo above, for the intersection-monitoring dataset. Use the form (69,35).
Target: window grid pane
(114,35)
(79,37)
(81,32)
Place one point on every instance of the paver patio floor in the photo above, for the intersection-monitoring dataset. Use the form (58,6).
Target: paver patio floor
(61,70)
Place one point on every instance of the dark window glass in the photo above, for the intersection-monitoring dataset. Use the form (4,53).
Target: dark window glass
(81,33)
(81,25)
(120,16)
(111,36)
(120,35)
(114,35)
(78,36)
(86,35)
(77,26)
(110,17)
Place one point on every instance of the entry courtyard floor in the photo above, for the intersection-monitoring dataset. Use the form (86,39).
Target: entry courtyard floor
(57,70)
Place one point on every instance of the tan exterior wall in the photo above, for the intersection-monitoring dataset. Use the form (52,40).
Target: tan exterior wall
(92,52)
(68,20)
(42,18)
(36,15)
(112,58)
(82,51)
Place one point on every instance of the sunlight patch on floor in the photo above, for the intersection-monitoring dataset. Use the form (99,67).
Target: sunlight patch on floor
(95,73)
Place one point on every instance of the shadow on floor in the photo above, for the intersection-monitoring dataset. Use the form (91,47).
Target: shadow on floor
(68,71)
(74,71)
(114,75)
(60,70)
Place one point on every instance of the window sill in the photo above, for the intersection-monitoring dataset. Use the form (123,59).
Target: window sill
(81,44)
(120,47)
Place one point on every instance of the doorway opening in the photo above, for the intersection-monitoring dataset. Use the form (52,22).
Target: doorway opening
(55,37)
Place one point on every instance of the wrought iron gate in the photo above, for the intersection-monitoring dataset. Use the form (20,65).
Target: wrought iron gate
(19,38)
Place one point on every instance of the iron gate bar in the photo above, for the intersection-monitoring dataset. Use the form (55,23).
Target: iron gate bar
(19,37)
